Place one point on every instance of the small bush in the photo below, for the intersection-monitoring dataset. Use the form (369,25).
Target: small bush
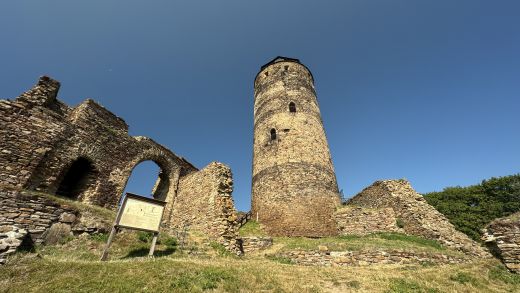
(66,239)
(170,242)
(463,278)
(399,223)
(354,284)
(220,249)
(502,274)
(99,237)
(145,237)
(406,286)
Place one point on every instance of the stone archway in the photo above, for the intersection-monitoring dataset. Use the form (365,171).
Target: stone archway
(159,189)
(79,177)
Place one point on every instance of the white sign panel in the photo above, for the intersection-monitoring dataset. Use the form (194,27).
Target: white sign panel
(141,213)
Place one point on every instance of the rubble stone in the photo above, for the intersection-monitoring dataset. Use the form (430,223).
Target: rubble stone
(503,237)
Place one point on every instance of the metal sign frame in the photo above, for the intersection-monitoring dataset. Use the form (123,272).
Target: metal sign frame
(116,226)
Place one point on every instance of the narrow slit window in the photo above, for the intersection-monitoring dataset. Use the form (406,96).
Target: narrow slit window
(292,107)
(273,134)
(267,73)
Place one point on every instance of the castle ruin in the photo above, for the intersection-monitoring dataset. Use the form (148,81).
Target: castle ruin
(85,153)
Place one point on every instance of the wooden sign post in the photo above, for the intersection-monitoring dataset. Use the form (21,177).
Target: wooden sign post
(137,213)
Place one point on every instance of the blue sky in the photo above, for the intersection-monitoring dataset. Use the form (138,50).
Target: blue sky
(423,90)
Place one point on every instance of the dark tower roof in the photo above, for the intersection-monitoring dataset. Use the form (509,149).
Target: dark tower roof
(283,59)
(280,59)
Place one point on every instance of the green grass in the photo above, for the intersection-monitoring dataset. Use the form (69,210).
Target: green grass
(404,286)
(74,266)
(59,273)
(500,273)
(251,228)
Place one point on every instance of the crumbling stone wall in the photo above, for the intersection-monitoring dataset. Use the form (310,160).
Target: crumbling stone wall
(204,203)
(417,216)
(368,257)
(294,189)
(85,153)
(41,139)
(252,243)
(503,237)
(353,220)
(35,219)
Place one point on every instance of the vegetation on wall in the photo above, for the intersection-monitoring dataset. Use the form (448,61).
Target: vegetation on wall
(471,208)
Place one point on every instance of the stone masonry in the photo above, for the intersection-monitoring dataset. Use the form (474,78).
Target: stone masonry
(204,203)
(367,257)
(294,189)
(416,215)
(503,237)
(353,220)
(85,153)
(26,217)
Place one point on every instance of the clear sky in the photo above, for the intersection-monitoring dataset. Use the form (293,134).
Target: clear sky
(423,90)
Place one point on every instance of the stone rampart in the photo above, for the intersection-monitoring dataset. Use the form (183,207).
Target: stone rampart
(365,258)
(503,237)
(416,215)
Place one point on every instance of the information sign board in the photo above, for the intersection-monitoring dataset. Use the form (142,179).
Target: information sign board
(140,213)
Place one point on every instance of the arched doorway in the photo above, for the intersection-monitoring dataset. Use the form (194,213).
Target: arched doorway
(148,179)
(79,177)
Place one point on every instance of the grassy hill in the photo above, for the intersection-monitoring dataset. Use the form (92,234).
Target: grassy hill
(201,265)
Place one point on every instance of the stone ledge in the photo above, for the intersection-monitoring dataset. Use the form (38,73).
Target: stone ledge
(367,257)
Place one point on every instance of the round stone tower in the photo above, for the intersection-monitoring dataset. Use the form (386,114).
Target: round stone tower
(294,188)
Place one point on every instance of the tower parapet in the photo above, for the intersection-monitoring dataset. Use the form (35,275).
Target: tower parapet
(294,188)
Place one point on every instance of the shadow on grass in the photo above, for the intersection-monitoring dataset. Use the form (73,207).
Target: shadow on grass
(143,251)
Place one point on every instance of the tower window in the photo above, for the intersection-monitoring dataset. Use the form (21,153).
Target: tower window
(286,67)
(267,73)
(273,134)
(292,107)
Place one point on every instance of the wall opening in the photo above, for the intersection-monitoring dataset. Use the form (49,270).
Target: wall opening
(78,178)
(273,134)
(148,179)
(292,107)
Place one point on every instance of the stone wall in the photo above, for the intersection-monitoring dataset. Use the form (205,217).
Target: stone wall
(34,219)
(204,203)
(365,258)
(353,220)
(294,188)
(43,141)
(251,244)
(503,237)
(417,216)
